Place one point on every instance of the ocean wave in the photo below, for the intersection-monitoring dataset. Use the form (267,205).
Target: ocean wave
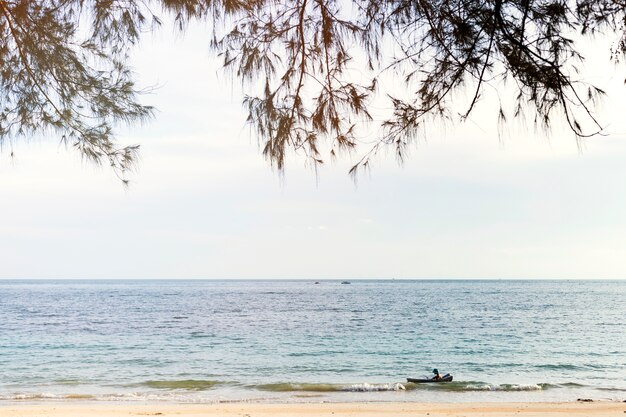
(314,354)
(67,382)
(505,387)
(611,389)
(568,385)
(29,396)
(470,386)
(198,335)
(33,396)
(295,387)
(460,386)
(166,396)
(185,384)
(195,390)
(562,366)
(376,387)
(79,397)
(311,387)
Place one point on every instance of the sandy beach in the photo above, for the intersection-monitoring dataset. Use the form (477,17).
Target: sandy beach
(316,410)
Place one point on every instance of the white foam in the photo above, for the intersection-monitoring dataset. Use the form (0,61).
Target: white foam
(365,387)
(514,387)
(29,396)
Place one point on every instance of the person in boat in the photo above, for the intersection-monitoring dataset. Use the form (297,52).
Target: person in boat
(437,377)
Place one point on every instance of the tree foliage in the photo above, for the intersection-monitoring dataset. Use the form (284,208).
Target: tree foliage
(310,68)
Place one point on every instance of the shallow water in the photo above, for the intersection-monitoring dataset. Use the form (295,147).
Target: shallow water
(300,341)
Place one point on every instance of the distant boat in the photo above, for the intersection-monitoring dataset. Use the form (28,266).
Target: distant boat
(317,282)
(345,282)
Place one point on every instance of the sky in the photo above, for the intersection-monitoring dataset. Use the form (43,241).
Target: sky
(205,204)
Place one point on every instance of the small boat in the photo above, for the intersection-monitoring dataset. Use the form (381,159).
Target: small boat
(345,282)
(445,378)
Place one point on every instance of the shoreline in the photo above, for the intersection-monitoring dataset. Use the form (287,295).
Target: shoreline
(365,409)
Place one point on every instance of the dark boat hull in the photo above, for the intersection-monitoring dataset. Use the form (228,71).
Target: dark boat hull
(445,378)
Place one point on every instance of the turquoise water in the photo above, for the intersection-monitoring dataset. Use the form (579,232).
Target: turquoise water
(206,341)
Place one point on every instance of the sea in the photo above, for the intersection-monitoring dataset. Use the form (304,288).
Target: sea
(210,341)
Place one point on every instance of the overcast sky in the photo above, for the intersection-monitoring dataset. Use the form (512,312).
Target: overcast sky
(205,204)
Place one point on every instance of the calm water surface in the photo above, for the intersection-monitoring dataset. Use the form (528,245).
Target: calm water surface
(205,341)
